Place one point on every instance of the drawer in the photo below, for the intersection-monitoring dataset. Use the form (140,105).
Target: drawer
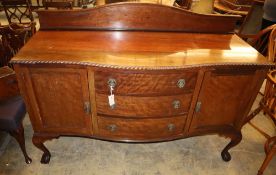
(146,84)
(140,129)
(133,106)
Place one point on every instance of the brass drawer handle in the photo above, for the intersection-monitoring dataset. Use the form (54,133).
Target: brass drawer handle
(112,127)
(181,83)
(171,127)
(111,82)
(176,104)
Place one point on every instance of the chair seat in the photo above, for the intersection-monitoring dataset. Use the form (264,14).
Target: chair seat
(12,112)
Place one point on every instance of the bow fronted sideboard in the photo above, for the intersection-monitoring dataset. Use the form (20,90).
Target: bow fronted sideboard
(134,72)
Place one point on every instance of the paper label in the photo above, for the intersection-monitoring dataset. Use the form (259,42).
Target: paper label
(111,100)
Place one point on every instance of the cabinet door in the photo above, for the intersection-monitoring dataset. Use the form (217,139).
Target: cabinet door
(225,98)
(60,100)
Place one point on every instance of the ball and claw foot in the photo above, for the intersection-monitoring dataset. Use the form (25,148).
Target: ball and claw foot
(225,155)
(45,159)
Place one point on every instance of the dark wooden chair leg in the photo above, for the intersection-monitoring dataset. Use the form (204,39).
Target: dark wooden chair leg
(253,114)
(270,150)
(235,139)
(20,138)
(38,142)
(268,158)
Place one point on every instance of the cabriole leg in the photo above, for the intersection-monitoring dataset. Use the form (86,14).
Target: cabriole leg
(38,142)
(235,139)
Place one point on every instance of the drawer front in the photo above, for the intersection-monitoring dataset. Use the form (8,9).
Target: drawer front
(140,129)
(132,106)
(146,84)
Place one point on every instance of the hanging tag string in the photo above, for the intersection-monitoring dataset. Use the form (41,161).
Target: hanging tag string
(111,90)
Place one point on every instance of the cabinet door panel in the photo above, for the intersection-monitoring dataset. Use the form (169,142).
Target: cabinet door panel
(60,96)
(224,98)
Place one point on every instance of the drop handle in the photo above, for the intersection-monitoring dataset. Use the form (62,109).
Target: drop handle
(112,127)
(171,127)
(87,107)
(176,104)
(181,83)
(198,107)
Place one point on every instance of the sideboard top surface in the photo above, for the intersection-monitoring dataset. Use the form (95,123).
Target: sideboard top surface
(137,49)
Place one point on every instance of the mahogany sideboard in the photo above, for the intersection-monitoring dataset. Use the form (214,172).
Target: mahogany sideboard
(134,72)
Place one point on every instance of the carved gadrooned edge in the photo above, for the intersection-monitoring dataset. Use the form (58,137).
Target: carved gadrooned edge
(141,67)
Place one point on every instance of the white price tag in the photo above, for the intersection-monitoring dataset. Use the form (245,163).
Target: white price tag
(111,100)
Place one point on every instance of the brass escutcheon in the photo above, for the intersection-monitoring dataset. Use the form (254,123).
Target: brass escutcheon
(111,82)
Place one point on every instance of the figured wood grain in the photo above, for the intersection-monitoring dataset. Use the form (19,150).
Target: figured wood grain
(145,84)
(136,16)
(254,91)
(92,95)
(135,50)
(129,129)
(60,95)
(190,115)
(25,87)
(230,89)
(143,107)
